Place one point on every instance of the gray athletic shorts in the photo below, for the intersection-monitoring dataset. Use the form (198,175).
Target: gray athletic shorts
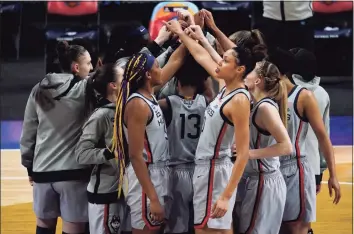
(137,199)
(67,199)
(301,191)
(240,194)
(108,218)
(263,203)
(182,199)
(209,181)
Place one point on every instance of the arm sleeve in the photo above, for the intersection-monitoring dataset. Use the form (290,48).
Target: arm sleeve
(154,48)
(93,133)
(29,134)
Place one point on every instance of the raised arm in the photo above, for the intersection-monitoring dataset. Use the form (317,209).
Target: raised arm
(195,32)
(198,52)
(174,63)
(238,111)
(312,112)
(139,113)
(224,41)
(268,118)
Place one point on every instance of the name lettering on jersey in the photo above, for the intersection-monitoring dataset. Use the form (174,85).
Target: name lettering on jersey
(159,116)
(288,114)
(160,119)
(210,111)
(289,111)
(188,103)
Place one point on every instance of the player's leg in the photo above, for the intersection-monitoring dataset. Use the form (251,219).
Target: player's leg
(73,205)
(46,207)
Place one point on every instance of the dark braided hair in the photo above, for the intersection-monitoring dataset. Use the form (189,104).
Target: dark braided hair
(133,79)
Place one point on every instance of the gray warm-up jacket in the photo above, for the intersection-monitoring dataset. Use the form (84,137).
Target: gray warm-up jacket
(53,119)
(92,149)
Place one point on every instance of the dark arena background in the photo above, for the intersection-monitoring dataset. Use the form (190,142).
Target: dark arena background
(30,30)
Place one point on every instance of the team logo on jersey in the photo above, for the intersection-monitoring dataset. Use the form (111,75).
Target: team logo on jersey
(115,223)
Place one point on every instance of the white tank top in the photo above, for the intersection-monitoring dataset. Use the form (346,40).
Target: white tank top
(297,128)
(156,141)
(260,138)
(217,135)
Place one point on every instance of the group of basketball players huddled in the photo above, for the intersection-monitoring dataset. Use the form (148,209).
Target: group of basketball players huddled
(107,156)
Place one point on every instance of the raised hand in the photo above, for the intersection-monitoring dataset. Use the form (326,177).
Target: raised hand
(208,19)
(199,19)
(163,36)
(186,16)
(174,26)
(195,32)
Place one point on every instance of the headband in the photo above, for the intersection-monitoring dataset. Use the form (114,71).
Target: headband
(150,60)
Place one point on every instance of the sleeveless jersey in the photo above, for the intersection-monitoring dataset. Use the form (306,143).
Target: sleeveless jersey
(297,127)
(260,138)
(185,127)
(156,141)
(217,134)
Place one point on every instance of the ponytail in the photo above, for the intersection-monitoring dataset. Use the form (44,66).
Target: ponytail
(275,86)
(282,100)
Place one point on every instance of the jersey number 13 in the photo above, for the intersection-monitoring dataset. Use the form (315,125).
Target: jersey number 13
(192,117)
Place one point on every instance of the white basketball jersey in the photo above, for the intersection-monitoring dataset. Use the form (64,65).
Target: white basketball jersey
(217,134)
(260,138)
(156,141)
(297,127)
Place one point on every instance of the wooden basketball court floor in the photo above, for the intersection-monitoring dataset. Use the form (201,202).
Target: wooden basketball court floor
(16,197)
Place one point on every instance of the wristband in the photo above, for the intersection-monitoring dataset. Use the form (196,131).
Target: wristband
(318,179)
